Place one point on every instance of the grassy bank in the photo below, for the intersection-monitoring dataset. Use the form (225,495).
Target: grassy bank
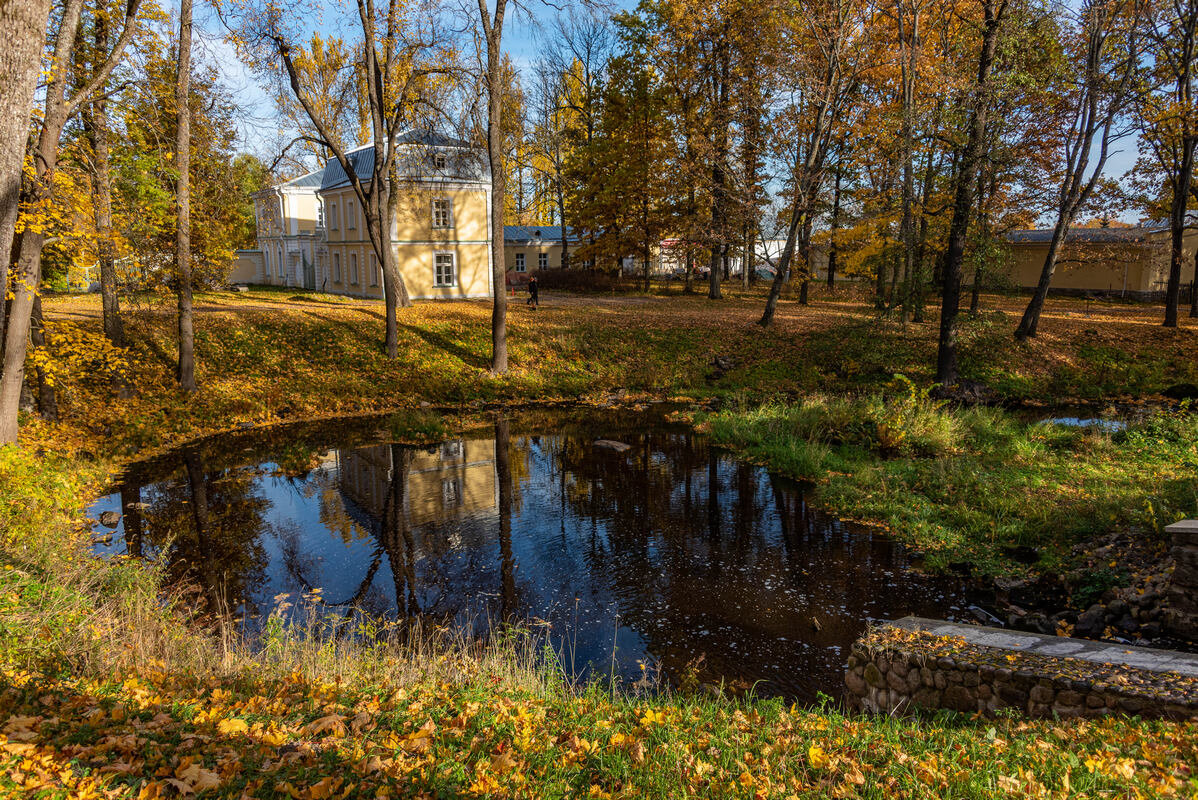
(109,687)
(107,690)
(267,356)
(969,485)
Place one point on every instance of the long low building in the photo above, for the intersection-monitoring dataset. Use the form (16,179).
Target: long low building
(1113,262)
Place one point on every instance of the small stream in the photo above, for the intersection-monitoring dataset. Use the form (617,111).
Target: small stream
(668,552)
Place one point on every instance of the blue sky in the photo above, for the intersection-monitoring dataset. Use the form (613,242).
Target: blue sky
(524,31)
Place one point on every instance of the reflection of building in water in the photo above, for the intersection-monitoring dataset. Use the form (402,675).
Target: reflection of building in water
(452,479)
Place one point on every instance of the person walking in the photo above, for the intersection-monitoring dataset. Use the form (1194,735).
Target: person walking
(533,296)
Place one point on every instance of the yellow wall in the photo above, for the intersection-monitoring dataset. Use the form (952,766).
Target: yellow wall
(415,244)
(552,249)
(1135,267)
(467,466)
(247,268)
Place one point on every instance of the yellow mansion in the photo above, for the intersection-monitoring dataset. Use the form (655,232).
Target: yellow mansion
(312,232)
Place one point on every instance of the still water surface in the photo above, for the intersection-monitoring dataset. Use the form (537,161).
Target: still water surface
(668,553)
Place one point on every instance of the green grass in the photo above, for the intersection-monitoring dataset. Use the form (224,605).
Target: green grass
(108,684)
(964,484)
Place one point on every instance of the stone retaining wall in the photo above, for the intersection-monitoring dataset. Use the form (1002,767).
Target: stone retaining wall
(1181,597)
(931,664)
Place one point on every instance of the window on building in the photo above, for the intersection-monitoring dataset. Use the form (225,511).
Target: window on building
(451,492)
(520,267)
(542,261)
(439,160)
(351,215)
(319,214)
(444,270)
(336,268)
(374,270)
(279,263)
(266,262)
(442,213)
(353,268)
(333,216)
(451,451)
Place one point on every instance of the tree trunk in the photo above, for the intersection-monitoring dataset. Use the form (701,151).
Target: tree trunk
(771,301)
(834,227)
(24,26)
(946,356)
(186,368)
(1031,315)
(47,398)
(493,33)
(1177,229)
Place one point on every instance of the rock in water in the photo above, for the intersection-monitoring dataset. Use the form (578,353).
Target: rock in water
(609,444)
(1181,391)
(110,519)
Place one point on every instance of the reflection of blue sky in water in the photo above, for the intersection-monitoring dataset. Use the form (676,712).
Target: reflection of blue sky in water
(632,549)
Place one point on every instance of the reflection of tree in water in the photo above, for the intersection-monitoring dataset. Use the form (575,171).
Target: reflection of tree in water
(211,521)
(691,541)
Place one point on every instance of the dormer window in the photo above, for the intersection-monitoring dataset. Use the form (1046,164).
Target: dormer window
(439,161)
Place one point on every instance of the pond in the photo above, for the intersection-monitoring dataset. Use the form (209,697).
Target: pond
(651,547)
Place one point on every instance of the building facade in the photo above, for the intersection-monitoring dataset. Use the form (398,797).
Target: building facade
(1112,262)
(312,231)
(290,228)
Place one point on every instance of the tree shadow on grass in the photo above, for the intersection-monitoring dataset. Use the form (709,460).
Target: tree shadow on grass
(466,355)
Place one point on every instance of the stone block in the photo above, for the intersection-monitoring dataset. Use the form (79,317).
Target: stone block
(1069,698)
(896,682)
(970,678)
(1130,705)
(873,675)
(926,677)
(914,681)
(955,677)
(1012,695)
(1041,694)
(1095,700)
(1067,712)
(855,683)
(1184,532)
(854,662)
(899,667)
(1035,709)
(926,698)
(939,680)
(960,698)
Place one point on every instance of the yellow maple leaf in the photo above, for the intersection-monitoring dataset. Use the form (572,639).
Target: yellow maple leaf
(231,726)
(818,758)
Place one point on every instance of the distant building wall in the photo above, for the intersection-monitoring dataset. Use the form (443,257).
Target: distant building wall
(247,267)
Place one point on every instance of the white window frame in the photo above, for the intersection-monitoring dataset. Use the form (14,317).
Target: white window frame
(440,161)
(319,214)
(542,261)
(437,210)
(453,261)
(336,267)
(334,225)
(520,265)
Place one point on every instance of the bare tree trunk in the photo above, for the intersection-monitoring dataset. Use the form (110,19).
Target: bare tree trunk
(47,398)
(1177,229)
(833,249)
(946,356)
(493,36)
(186,368)
(24,26)
(25,279)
